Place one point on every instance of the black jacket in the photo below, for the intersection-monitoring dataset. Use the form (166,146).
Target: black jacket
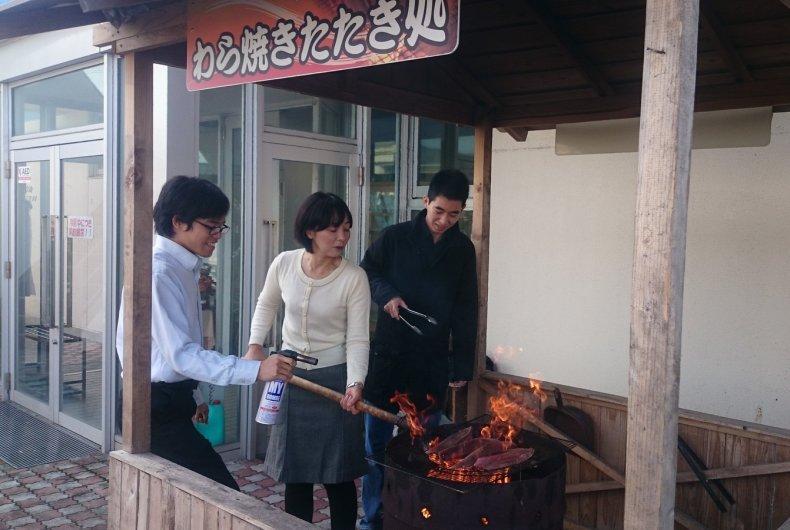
(439,280)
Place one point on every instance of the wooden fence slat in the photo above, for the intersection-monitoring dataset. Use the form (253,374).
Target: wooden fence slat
(610,441)
(212,517)
(225,521)
(158,503)
(781,508)
(129,484)
(588,504)
(197,513)
(115,491)
(168,505)
(144,501)
(182,501)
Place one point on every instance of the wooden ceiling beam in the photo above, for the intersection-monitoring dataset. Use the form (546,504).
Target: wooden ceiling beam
(158,27)
(465,80)
(351,89)
(101,5)
(519,134)
(48,19)
(718,34)
(539,11)
(716,97)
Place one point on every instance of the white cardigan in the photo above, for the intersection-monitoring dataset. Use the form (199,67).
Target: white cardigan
(327,318)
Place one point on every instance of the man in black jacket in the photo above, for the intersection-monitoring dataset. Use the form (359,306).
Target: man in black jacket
(425,265)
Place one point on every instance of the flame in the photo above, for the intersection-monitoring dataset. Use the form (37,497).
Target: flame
(510,402)
(535,381)
(414,419)
(426,513)
(484,521)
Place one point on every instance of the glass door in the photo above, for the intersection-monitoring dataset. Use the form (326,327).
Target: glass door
(59,284)
(291,173)
(34,279)
(82,296)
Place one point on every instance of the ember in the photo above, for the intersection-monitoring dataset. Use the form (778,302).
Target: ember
(470,474)
(488,454)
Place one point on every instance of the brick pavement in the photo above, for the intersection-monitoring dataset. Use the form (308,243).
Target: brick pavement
(73,494)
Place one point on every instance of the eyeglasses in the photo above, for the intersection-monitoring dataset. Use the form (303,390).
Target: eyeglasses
(214,230)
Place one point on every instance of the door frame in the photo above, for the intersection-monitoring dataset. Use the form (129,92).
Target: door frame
(54,154)
(268,200)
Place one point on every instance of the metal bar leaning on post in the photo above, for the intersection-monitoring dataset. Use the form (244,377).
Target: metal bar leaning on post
(588,456)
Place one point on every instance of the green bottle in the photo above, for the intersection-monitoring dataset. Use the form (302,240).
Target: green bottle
(214,429)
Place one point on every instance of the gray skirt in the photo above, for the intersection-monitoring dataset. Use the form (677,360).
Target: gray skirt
(317,441)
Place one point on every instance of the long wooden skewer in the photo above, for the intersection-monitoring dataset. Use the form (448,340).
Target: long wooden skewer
(362,406)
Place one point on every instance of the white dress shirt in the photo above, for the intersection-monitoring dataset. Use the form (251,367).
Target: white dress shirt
(177,351)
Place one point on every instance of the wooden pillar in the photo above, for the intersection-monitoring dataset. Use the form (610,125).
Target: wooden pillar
(137,234)
(659,259)
(481,222)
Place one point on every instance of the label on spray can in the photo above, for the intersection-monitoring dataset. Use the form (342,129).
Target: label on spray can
(269,408)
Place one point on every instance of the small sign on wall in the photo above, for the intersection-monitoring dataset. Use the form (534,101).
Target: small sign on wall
(80,227)
(24,174)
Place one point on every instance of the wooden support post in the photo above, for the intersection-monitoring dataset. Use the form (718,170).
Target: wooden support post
(137,233)
(481,222)
(659,258)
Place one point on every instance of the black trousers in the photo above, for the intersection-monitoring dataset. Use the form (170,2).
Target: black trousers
(174,437)
(342,503)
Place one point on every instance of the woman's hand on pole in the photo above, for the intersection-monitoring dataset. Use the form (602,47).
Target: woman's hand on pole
(352,397)
(276,367)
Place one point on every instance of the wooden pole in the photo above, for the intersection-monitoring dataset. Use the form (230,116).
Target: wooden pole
(659,258)
(337,396)
(481,222)
(688,476)
(137,233)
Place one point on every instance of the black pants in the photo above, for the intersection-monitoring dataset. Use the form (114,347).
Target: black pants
(342,503)
(174,437)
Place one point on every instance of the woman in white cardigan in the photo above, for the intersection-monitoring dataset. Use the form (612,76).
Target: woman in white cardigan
(327,310)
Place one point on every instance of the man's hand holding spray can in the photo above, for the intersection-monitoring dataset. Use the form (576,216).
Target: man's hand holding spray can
(269,408)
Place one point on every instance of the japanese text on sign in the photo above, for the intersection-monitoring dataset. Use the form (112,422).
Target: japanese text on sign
(23,174)
(80,227)
(233,43)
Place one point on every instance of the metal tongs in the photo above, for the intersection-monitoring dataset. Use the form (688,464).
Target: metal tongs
(429,319)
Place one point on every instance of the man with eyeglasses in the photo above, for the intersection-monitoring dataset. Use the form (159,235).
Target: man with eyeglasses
(189,218)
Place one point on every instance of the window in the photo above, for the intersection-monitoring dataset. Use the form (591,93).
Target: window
(75,99)
(384,168)
(298,112)
(444,146)
(220,161)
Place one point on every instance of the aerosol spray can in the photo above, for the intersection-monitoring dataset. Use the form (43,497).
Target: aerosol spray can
(269,408)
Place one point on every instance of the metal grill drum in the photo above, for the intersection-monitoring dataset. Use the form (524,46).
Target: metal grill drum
(528,496)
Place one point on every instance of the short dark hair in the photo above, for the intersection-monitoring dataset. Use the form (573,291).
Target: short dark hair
(318,212)
(188,198)
(449,183)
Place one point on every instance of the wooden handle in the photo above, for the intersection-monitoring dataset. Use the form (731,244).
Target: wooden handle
(362,406)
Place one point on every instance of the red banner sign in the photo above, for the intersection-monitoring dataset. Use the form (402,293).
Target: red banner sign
(230,42)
